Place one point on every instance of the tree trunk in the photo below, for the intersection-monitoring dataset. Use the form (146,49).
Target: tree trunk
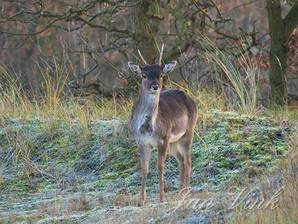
(278,54)
(145,25)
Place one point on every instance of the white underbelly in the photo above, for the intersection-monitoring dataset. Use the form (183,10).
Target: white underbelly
(176,137)
(147,139)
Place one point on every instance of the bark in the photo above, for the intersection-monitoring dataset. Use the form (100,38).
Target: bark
(280,31)
(278,54)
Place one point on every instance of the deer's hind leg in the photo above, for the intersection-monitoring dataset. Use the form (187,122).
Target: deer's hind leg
(177,152)
(183,155)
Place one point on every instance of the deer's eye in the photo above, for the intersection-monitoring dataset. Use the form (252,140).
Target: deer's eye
(144,76)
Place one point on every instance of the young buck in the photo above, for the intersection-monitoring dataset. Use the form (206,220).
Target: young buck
(165,119)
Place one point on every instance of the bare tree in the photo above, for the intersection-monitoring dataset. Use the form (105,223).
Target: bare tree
(107,26)
(280,31)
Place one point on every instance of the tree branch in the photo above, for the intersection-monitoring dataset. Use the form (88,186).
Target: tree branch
(108,29)
(291,21)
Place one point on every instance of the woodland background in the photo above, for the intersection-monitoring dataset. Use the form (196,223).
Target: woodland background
(92,41)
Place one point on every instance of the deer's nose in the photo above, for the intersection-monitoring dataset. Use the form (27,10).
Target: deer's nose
(154,87)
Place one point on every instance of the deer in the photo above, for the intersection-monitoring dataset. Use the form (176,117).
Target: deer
(164,119)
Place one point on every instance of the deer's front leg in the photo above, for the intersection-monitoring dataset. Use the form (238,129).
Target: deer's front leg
(145,152)
(162,150)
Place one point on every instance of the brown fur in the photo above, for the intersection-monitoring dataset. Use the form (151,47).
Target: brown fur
(166,119)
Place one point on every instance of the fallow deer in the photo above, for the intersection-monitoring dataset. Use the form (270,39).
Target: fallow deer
(165,119)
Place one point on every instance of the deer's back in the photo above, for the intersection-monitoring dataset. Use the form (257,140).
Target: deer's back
(176,102)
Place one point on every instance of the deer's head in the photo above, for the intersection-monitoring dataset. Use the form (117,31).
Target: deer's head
(152,75)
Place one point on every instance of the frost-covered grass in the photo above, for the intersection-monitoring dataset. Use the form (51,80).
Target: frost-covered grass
(56,169)
(71,160)
(286,202)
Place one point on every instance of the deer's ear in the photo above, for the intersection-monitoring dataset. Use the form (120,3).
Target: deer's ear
(134,68)
(169,67)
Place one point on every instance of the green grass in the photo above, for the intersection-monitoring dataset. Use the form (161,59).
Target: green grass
(49,156)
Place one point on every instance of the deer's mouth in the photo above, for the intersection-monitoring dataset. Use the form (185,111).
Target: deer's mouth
(154,89)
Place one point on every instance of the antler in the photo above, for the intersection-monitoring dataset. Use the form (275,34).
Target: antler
(161,53)
(141,56)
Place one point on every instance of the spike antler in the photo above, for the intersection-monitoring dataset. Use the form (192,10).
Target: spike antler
(161,53)
(141,56)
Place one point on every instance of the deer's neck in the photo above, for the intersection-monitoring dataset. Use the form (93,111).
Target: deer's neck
(149,105)
(147,111)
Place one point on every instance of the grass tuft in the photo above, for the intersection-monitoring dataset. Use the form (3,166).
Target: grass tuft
(241,75)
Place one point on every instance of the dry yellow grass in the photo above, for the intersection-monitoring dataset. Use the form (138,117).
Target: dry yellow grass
(53,104)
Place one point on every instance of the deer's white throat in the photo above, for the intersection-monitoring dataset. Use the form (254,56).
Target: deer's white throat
(146,119)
